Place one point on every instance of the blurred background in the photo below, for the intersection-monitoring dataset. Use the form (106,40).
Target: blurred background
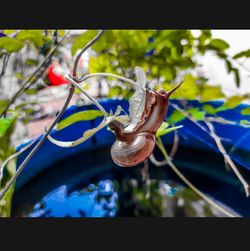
(59,182)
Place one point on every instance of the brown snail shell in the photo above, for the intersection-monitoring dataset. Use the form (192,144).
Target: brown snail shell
(132,148)
(133,152)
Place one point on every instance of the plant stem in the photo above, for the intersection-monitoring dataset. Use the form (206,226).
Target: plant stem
(175,145)
(16,154)
(187,182)
(44,137)
(102,74)
(227,157)
(87,46)
(86,94)
(39,144)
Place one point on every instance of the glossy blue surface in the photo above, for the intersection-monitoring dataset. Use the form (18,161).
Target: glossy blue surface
(99,201)
(190,136)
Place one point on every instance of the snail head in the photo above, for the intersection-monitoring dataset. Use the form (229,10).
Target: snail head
(115,124)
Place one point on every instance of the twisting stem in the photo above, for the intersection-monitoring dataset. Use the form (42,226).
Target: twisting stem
(171,155)
(84,78)
(39,144)
(16,154)
(86,94)
(102,74)
(175,145)
(88,45)
(26,84)
(227,157)
(187,182)
(156,162)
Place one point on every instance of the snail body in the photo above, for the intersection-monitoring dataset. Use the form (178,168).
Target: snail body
(132,148)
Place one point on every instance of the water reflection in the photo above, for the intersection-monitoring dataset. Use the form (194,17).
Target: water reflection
(128,197)
(94,201)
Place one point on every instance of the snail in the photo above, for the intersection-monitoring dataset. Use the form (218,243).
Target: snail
(135,134)
(132,148)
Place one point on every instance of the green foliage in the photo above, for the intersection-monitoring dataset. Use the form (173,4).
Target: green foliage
(233,102)
(229,103)
(8,32)
(6,129)
(196,113)
(209,109)
(234,70)
(209,93)
(10,44)
(176,117)
(189,89)
(114,91)
(245,111)
(241,54)
(164,129)
(3,104)
(218,44)
(5,124)
(78,117)
(35,36)
(31,62)
(245,122)
(83,39)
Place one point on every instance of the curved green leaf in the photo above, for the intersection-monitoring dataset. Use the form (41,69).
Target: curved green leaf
(78,117)
(218,44)
(164,129)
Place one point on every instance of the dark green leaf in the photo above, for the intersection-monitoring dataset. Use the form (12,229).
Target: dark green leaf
(218,44)
(229,66)
(242,54)
(236,76)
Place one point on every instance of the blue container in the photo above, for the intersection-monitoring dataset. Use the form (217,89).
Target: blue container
(193,141)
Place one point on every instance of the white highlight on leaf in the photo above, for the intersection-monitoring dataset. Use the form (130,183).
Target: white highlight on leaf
(137,101)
